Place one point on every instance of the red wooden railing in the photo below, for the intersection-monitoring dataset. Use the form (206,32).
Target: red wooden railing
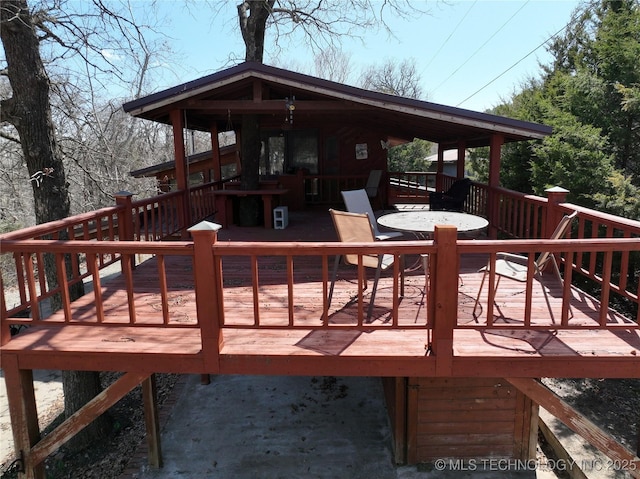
(211,258)
(410,187)
(602,248)
(149,220)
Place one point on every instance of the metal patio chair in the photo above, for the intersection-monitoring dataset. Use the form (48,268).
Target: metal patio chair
(356,228)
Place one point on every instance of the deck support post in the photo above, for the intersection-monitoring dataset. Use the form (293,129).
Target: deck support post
(208,285)
(151,420)
(24,415)
(444,284)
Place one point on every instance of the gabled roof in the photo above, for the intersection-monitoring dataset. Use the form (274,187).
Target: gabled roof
(255,88)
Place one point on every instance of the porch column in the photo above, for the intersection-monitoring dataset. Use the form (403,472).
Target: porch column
(460,164)
(177,121)
(182,180)
(215,155)
(493,212)
(440,168)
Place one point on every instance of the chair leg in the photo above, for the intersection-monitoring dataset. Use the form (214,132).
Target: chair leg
(333,279)
(425,269)
(480,290)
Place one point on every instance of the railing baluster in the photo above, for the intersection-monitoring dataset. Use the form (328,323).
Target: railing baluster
(624,264)
(64,286)
(164,294)
(397,277)
(566,287)
(290,303)
(325,290)
(362,279)
(529,290)
(31,285)
(606,281)
(491,288)
(127,269)
(97,286)
(256,290)
(42,276)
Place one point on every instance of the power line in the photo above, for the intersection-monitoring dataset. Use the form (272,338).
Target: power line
(480,47)
(512,66)
(449,37)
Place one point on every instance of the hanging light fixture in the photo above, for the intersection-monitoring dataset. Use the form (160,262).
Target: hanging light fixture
(290,107)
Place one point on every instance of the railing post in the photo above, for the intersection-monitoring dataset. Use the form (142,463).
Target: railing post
(444,283)
(555,196)
(125,220)
(208,286)
(125,216)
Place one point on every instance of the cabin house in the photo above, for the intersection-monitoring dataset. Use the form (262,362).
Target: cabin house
(320,137)
(459,353)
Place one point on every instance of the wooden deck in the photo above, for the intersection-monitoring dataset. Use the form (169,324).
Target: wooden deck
(279,328)
(253,301)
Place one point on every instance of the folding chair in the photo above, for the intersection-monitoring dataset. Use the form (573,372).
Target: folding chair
(357,201)
(356,228)
(514,266)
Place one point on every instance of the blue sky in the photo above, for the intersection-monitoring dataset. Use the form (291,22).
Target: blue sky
(469,53)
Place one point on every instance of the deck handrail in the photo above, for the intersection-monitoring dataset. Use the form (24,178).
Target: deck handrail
(34,249)
(32,288)
(601,245)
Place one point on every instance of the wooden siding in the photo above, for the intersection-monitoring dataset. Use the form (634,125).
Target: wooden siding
(468,418)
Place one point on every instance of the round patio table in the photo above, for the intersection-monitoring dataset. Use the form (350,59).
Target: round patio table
(423,223)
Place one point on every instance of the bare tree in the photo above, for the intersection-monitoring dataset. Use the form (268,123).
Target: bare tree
(393,77)
(399,78)
(100,37)
(332,64)
(321,24)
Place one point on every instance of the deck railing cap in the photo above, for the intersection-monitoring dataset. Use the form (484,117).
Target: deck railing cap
(123,193)
(556,189)
(205,226)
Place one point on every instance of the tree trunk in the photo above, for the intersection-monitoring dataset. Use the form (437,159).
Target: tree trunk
(249,207)
(253,15)
(29,111)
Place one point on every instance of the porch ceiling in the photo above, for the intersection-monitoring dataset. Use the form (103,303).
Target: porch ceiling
(253,88)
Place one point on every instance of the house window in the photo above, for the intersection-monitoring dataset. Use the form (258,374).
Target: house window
(272,155)
(289,151)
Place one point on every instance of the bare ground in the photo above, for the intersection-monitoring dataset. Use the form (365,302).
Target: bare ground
(612,404)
